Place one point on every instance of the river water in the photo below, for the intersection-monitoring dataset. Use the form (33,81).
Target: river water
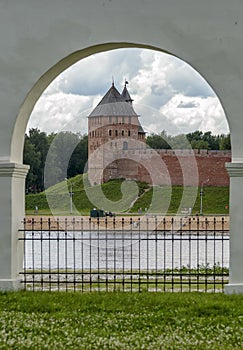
(123,250)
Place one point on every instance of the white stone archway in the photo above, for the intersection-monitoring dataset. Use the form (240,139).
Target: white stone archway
(39,40)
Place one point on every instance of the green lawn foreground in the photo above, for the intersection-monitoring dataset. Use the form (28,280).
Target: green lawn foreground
(59,320)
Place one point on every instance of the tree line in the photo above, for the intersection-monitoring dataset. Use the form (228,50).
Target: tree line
(67,152)
(195,140)
(67,156)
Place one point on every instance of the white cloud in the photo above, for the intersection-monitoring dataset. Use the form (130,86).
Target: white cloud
(59,111)
(168,94)
(205,114)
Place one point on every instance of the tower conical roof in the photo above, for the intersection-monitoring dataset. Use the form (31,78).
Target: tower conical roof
(113,103)
(112,95)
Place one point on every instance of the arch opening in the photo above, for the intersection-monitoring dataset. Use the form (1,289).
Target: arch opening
(41,85)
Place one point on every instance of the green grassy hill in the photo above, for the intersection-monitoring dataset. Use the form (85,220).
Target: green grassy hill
(158,199)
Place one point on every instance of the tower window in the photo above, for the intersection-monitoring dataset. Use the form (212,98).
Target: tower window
(125,145)
(116,132)
(122,132)
(109,132)
(129,133)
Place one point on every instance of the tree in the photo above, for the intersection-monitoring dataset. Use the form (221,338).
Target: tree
(199,144)
(179,142)
(33,159)
(225,143)
(67,156)
(79,157)
(35,150)
(158,141)
(40,141)
(55,156)
(212,140)
(194,136)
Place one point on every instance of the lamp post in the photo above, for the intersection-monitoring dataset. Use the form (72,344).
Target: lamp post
(201,196)
(70,195)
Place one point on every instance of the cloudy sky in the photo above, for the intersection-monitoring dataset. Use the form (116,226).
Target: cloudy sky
(168,94)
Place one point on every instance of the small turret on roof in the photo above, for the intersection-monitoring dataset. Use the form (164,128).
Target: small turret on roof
(140,129)
(125,94)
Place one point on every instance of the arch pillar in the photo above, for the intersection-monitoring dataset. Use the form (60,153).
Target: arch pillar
(12,192)
(235,171)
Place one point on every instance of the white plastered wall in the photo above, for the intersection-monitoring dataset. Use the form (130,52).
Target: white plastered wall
(39,39)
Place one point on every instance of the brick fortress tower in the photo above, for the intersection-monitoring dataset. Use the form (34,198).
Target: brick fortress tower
(113,128)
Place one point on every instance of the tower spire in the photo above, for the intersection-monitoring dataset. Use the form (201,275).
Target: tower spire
(125,94)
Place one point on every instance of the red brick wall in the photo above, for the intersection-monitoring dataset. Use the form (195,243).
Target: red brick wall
(211,168)
(184,167)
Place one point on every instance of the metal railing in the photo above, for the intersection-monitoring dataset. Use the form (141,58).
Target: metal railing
(149,253)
